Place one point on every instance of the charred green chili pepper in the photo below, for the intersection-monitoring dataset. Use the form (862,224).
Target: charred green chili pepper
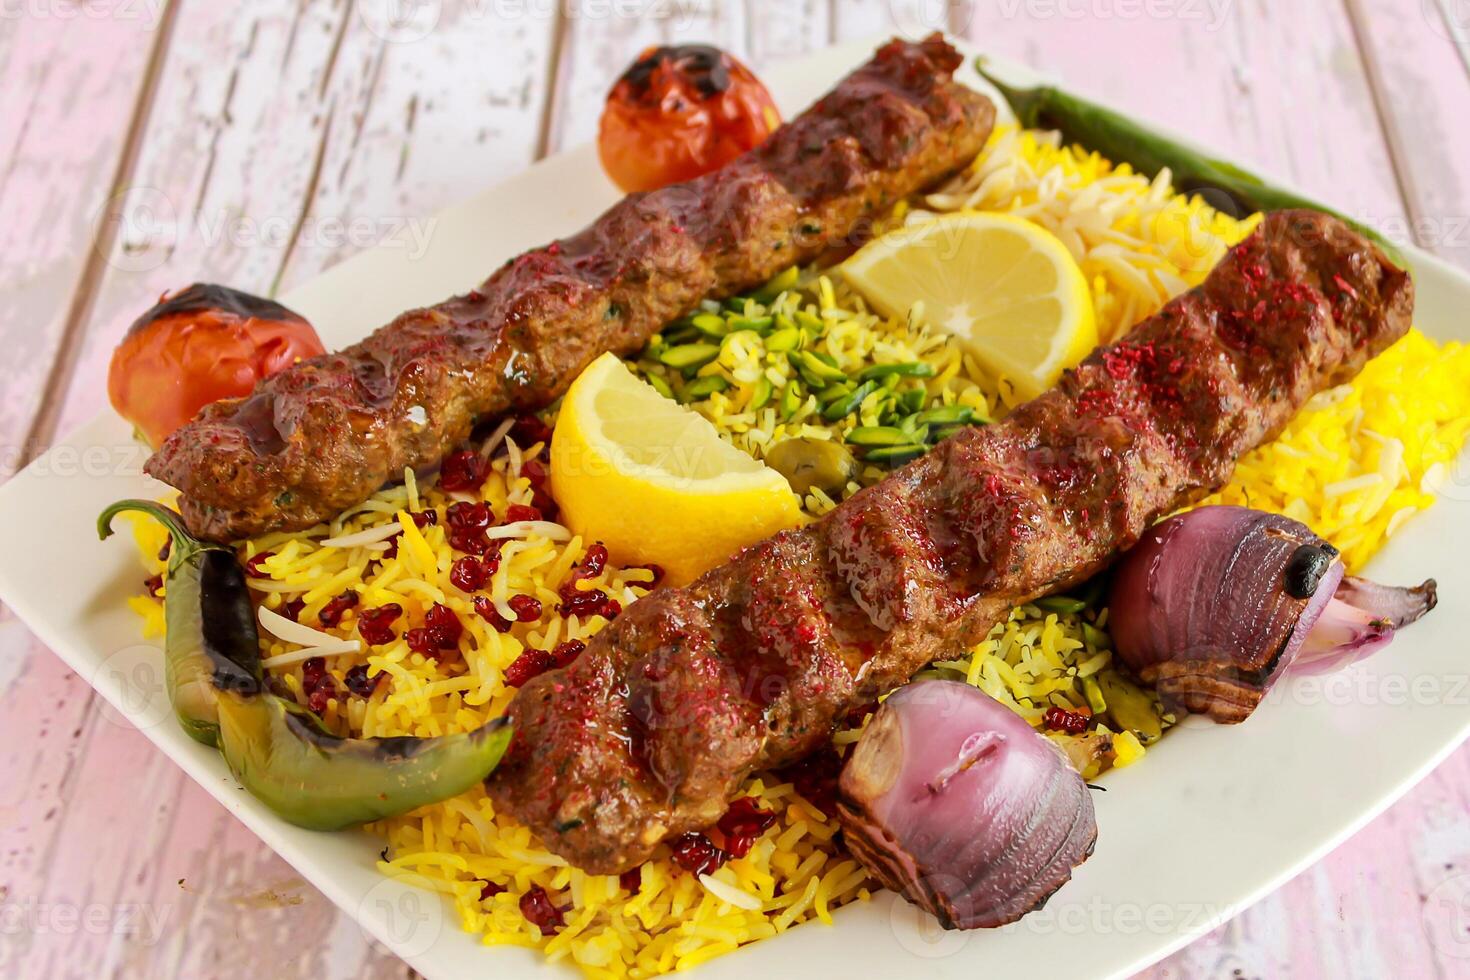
(277,749)
(1223,185)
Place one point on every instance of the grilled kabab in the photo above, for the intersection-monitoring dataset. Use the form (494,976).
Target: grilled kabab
(652,729)
(327,433)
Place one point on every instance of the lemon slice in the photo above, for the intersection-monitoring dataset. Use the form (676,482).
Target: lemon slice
(1004,286)
(654,481)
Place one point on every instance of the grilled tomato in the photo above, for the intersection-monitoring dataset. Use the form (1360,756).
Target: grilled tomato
(679,112)
(197,346)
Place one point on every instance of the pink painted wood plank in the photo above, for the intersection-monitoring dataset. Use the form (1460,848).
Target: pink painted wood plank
(1420,60)
(66,100)
(262,108)
(224,907)
(599,43)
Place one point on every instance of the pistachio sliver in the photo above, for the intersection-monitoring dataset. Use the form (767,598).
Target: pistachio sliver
(710,324)
(894,455)
(947,415)
(845,406)
(761,393)
(704,387)
(783,340)
(1060,604)
(877,436)
(819,367)
(906,369)
(791,399)
(686,356)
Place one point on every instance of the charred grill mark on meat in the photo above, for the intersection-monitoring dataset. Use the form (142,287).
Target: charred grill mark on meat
(328,432)
(672,705)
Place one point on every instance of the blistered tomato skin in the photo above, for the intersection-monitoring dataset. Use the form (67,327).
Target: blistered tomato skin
(198,346)
(680,112)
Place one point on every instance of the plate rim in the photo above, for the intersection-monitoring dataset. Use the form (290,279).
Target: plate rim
(203,765)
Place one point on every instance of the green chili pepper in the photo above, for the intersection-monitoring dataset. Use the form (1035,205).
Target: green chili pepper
(912,401)
(1224,186)
(313,779)
(911,369)
(276,748)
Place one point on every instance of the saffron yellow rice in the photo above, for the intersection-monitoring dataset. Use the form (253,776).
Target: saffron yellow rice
(1354,465)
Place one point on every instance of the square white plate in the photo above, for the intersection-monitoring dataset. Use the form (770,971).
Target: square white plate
(1214,819)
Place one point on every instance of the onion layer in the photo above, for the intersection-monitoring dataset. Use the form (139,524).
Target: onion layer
(954,801)
(1213,605)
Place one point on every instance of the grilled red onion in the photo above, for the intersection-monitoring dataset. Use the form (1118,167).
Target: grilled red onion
(1213,605)
(953,800)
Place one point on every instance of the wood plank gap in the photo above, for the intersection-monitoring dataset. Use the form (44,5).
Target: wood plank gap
(1372,73)
(312,182)
(331,65)
(546,127)
(104,239)
(1457,34)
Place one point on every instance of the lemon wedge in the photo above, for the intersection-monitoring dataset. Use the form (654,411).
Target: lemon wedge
(1006,287)
(654,481)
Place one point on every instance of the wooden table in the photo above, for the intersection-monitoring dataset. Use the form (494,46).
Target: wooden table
(146,144)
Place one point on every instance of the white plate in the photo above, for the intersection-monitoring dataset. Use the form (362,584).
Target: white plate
(1213,819)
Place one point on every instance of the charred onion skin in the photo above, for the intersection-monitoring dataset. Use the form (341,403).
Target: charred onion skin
(1225,589)
(197,346)
(681,112)
(955,802)
(1212,606)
